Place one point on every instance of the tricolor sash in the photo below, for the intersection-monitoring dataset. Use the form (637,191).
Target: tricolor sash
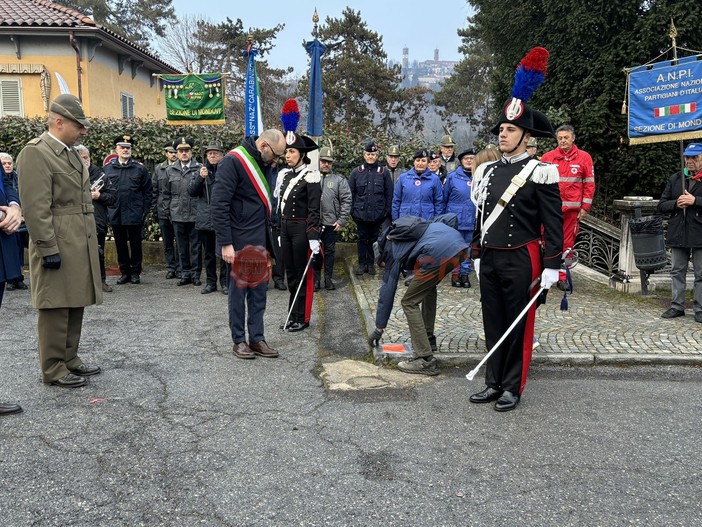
(255,175)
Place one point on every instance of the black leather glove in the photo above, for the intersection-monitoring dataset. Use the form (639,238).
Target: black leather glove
(53,261)
(375,337)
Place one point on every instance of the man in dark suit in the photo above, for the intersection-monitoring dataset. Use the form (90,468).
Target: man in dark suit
(241,209)
(10,219)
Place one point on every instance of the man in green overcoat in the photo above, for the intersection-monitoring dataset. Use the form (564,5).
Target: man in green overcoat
(63,251)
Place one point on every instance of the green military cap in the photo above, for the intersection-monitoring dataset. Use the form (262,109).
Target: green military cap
(214,145)
(325,154)
(447,140)
(532,142)
(394,150)
(69,106)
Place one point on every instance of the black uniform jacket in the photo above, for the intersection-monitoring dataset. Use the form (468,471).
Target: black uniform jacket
(303,200)
(132,185)
(239,216)
(684,228)
(537,203)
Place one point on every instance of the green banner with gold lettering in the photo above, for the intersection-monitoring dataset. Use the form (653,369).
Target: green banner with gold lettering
(197,98)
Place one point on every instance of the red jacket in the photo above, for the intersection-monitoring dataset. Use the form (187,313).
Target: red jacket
(577,181)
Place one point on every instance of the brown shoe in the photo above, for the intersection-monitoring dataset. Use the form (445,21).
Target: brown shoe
(242,351)
(263,350)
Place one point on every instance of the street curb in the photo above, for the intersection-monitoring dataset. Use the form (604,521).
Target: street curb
(577,359)
(459,360)
(361,299)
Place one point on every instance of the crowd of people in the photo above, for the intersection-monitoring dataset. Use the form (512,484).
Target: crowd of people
(263,221)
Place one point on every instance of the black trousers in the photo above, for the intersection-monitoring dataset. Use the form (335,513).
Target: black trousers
(326,257)
(368,232)
(223,274)
(169,245)
(278,269)
(296,251)
(209,259)
(101,254)
(128,245)
(188,249)
(505,277)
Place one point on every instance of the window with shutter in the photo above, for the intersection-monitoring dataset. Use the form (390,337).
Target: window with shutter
(127,105)
(11,97)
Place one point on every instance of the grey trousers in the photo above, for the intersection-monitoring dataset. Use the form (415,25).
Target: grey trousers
(681,257)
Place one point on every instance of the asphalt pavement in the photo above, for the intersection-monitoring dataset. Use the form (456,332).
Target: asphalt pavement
(176,431)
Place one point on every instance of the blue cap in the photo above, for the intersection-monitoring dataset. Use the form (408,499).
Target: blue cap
(692,150)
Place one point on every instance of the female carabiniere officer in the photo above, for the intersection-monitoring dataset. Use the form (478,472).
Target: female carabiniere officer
(300,195)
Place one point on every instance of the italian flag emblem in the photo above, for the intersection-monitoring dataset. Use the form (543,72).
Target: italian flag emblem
(677,109)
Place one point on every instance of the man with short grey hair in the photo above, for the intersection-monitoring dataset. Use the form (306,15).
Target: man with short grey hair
(576,183)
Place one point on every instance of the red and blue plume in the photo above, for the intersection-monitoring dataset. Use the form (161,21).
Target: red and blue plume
(290,116)
(530,73)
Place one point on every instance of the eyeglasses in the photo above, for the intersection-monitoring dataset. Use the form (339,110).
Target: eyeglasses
(276,154)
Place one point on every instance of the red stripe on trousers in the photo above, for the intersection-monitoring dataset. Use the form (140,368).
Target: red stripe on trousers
(528,342)
(309,290)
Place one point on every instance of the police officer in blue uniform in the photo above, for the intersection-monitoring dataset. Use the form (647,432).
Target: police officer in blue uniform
(371,191)
(127,215)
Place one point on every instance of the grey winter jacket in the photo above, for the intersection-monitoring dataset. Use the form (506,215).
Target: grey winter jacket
(181,206)
(336,200)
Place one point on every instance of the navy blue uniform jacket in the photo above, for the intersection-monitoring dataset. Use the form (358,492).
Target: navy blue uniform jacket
(9,246)
(239,217)
(439,242)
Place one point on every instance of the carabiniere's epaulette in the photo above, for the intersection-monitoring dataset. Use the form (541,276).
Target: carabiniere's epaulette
(313,176)
(545,174)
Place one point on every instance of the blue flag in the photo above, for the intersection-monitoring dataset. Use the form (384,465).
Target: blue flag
(253,121)
(315,49)
(665,101)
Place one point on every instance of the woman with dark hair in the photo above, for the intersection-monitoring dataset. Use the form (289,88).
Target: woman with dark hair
(299,213)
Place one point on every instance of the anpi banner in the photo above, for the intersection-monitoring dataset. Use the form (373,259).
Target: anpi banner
(665,101)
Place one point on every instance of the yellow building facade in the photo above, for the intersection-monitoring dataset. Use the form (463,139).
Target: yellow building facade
(47,49)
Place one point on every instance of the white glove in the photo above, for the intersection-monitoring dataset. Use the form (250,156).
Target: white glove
(476,266)
(549,277)
(314,246)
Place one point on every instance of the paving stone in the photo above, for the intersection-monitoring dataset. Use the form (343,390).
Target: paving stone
(599,321)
